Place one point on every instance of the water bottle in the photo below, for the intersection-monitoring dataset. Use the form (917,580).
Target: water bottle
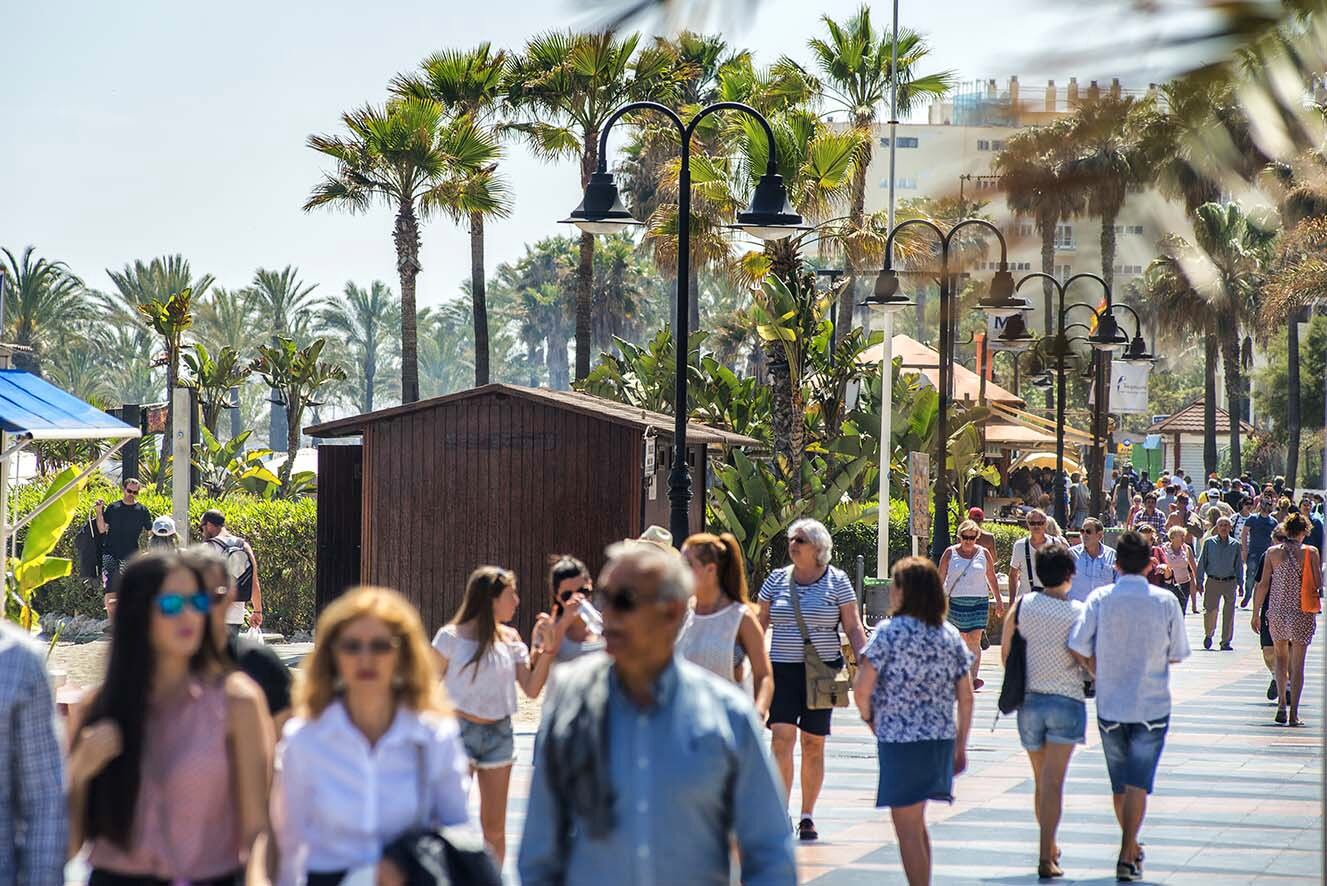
(593,620)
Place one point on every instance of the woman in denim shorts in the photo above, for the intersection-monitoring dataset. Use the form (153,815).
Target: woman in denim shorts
(1053,716)
(482,662)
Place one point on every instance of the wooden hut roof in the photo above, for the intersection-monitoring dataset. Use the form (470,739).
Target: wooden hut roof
(573,401)
(1189,420)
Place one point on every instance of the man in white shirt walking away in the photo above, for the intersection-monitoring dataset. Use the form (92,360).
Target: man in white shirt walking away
(1128,636)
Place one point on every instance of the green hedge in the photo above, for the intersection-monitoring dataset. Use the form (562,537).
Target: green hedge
(860,538)
(283,535)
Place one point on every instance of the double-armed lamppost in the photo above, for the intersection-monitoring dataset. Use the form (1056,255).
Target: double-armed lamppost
(1000,302)
(768,218)
(1104,339)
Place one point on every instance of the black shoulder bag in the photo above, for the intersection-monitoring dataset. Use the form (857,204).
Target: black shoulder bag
(1014,688)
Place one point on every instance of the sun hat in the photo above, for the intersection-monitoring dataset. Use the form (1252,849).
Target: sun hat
(657,535)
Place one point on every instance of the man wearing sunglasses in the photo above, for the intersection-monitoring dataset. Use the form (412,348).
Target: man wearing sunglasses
(121,527)
(1094,561)
(648,767)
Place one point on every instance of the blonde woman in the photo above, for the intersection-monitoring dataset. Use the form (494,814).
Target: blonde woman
(373,751)
(483,661)
(1181,567)
(967,572)
(721,629)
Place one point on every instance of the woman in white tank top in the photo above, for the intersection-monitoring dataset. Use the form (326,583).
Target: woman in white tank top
(721,629)
(968,572)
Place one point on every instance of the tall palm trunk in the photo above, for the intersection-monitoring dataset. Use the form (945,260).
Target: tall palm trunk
(788,422)
(406,237)
(1210,356)
(693,303)
(370,377)
(1108,245)
(585,267)
(478,297)
(1230,365)
(856,218)
(1046,223)
(556,359)
(1292,399)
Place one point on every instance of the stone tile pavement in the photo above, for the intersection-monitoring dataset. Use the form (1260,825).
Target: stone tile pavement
(1238,799)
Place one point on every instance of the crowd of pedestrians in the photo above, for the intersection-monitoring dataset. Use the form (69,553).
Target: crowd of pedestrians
(673,710)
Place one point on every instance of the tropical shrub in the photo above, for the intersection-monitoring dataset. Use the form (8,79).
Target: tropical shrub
(282,532)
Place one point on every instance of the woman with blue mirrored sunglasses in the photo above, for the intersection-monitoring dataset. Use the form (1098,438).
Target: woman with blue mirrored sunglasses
(171,605)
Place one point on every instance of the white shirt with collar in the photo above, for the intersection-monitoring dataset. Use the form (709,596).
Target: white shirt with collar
(337,801)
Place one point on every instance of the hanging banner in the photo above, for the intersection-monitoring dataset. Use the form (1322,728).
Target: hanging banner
(919,494)
(1128,386)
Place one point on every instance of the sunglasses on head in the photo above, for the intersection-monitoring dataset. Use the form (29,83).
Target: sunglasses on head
(378,646)
(171,605)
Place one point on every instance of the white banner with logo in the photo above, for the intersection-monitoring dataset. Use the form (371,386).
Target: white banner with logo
(1128,386)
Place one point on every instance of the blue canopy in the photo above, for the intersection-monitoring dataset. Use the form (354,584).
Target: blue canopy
(34,407)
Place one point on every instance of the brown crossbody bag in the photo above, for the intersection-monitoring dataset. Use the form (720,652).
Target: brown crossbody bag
(826,687)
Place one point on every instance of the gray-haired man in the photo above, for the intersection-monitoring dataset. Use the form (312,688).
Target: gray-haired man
(647,765)
(1218,574)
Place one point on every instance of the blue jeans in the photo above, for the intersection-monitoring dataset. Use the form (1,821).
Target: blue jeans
(1132,752)
(1057,719)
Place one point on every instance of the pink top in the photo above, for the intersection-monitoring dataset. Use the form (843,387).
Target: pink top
(185,823)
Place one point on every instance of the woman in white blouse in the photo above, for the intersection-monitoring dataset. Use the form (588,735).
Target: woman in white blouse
(483,661)
(372,752)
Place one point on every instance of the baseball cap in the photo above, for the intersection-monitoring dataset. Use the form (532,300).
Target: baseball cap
(163,526)
(976,514)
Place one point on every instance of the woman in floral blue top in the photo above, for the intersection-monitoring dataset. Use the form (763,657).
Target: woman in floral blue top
(908,679)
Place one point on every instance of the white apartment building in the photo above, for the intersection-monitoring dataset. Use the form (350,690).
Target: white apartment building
(954,152)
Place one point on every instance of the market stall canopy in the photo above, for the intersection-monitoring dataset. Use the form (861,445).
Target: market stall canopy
(1045,460)
(1017,436)
(34,408)
(919,358)
(1072,435)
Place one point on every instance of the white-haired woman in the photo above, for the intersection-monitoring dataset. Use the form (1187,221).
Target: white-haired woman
(827,601)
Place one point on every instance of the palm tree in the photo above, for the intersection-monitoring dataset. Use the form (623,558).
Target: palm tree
(1031,170)
(43,300)
(1230,279)
(414,157)
(568,84)
(157,280)
(298,375)
(127,356)
(368,321)
(856,65)
(284,302)
(446,355)
(1182,311)
(227,318)
(470,82)
(1109,160)
(169,318)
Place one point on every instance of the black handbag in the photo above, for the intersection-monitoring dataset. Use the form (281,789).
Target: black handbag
(430,856)
(1014,688)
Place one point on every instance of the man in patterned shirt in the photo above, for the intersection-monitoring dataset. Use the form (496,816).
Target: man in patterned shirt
(1151,515)
(33,822)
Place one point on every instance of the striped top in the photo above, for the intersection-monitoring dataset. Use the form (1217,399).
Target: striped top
(820,604)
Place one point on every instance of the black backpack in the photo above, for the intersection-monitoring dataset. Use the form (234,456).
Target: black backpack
(1014,688)
(238,564)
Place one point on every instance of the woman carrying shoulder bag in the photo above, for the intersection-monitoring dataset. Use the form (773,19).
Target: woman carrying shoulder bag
(824,601)
(968,573)
(373,752)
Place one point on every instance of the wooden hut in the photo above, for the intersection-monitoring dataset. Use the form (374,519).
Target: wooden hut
(1182,438)
(500,474)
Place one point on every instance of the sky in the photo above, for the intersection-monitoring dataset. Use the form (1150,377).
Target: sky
(144,127)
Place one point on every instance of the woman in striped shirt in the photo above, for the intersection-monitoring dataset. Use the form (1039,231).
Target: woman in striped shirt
(827,601)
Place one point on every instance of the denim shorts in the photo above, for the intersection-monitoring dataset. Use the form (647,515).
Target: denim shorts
(1132,752)
(489,745)
(1057,719)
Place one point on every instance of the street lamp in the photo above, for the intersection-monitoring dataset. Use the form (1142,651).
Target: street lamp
(1000,301)
(1106,338)
(768,218)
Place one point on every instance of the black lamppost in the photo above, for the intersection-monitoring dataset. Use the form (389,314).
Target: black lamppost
(601,212)
(1000,302)
(1104,339)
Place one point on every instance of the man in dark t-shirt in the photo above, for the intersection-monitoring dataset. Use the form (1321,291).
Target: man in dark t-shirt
(1255,539)
(121,527)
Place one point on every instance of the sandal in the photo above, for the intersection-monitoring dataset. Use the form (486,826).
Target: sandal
(1281,716)
(1127,872)
(1295,721)
(1049,870)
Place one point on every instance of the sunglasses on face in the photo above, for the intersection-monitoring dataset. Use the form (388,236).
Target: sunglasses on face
(1036,522)
(566,596)
(625,600)
(378,646)
(171,605)
(967,538)
(799,540)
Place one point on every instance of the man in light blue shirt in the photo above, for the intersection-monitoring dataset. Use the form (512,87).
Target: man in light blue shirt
(647,767)
(1128,636)
(1094,561)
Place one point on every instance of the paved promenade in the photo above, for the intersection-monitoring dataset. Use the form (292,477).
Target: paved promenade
(1238,798)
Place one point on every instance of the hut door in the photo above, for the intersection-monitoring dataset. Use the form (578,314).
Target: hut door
(340,517)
